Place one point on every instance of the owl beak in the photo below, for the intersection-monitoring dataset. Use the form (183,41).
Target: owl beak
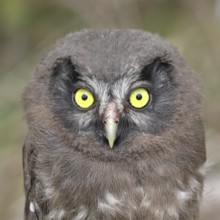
(111,120)
(111,130)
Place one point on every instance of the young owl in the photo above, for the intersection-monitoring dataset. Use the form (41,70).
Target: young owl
(115,131)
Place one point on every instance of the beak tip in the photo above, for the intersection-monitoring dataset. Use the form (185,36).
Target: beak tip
(111,144)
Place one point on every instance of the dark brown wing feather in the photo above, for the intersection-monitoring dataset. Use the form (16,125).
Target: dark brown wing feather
(32,211)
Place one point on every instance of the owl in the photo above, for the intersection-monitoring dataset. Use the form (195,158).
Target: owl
(115,130)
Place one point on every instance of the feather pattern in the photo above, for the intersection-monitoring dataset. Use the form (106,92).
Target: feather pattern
(153,171)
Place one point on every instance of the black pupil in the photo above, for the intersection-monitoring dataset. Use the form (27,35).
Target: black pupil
(84,97)
(138,96)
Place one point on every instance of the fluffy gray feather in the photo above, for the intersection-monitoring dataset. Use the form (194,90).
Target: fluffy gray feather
(153,170)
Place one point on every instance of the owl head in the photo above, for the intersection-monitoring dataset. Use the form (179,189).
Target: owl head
(116,95)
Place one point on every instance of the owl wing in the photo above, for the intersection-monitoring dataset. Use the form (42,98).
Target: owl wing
(32,210)
(26,168)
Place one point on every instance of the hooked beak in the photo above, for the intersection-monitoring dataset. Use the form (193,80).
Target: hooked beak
(111,120)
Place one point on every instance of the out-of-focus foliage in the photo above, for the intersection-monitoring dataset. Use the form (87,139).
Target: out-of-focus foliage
(28,28)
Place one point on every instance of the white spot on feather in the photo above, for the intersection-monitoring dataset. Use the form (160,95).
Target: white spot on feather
(204,168)
(194,184)
(172,212)
(111,199)
(49,192)
(183,196)
(81,215)
(159,213)
(111,203)
(31,207)
(57,214)
(146,203)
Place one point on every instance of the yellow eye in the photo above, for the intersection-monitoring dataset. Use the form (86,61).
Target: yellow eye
(139,98)
(84,98)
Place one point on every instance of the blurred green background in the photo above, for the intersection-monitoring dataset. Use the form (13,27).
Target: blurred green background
(28,28)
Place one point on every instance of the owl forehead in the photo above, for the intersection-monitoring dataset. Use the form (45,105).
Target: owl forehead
(107,63)
(108,54)
(116,90)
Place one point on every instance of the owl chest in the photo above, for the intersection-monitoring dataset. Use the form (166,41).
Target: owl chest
(113,198)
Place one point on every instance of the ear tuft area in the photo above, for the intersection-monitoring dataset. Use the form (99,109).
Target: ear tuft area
(157,71)
(64,69)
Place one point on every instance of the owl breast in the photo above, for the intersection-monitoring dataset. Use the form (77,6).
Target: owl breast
(108,192)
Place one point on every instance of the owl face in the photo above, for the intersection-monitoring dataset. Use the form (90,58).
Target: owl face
(109,111)
(112,93)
